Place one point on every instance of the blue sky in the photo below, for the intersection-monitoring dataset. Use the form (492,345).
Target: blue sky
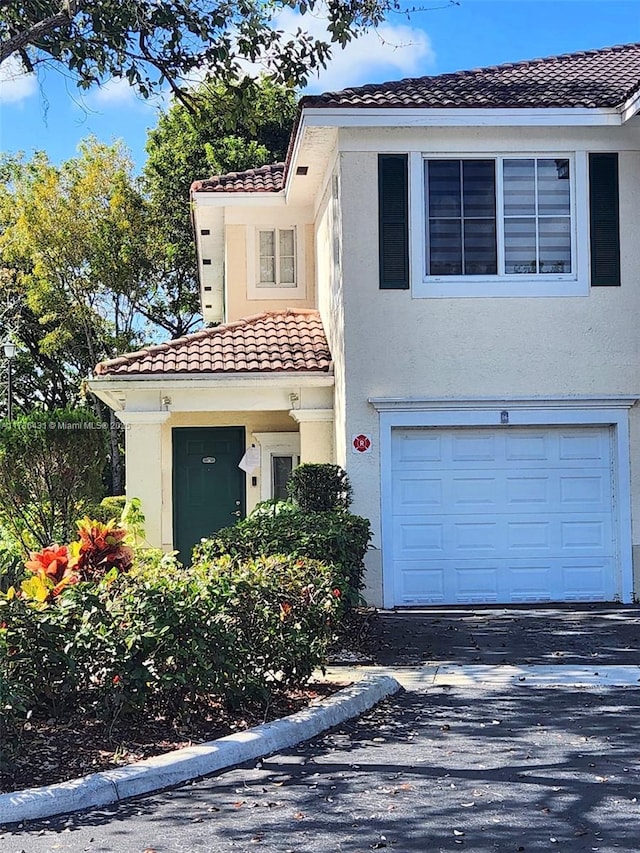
(50,114)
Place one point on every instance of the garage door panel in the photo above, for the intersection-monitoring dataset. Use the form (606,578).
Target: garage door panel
(586,536)
(527,447)
(418,539)
(478,447)
(585,446)
(588,580)
(480,581)
(590,490)
(414,492)
(513,514)
(541,534)
(529,535)
(411,447)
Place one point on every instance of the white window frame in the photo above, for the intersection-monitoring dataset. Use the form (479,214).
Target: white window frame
(275,444)
(256,289)
(575,283)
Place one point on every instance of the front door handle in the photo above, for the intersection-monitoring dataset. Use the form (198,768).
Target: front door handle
(238,513)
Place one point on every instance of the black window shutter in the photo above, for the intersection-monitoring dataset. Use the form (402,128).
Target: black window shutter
(393,206)
(604,215)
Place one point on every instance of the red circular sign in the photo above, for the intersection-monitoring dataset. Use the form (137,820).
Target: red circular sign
(361,443)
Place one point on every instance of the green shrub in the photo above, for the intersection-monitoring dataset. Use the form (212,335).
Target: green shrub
(50,470)
(161,639)
(337,538)
(11,566)
(109,508)
(315,487)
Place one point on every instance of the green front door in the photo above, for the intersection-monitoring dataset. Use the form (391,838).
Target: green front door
(208,486)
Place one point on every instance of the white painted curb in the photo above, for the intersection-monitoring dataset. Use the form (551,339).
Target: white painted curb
(164,771)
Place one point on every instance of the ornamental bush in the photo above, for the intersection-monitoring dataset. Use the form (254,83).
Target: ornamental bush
(319,487)
(160,639)
(336,537)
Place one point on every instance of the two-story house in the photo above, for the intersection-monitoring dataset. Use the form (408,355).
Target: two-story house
(440,291)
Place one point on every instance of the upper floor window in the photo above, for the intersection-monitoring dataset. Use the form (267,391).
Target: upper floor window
(277,257)
(499,217)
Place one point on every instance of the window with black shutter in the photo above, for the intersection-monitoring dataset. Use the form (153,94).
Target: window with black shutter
(393,201)
(604,213)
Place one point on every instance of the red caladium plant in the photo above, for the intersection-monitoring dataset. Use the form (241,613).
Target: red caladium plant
(100,548)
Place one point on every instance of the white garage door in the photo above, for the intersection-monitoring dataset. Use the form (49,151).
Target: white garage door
(502,515)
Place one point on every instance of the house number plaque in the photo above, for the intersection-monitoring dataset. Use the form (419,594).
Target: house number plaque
(208,460)
(504,417)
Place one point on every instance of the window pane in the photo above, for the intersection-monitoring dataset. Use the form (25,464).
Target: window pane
(281,468)
(480,256)
(554,197)
(519,188)
(555,245)
(445,247)
(479,188)
(520,245)
(267,244)
(287,271)
(287,259)
(267,270)
(267,257)
(286,243)
(444,188)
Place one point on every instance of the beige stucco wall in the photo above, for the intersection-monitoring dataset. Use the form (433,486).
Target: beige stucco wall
(238,299)
(480,347)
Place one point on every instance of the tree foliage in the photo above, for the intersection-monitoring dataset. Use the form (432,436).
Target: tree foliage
(73,262)
(50,469)
(74,267)
(230,128)
(149,42)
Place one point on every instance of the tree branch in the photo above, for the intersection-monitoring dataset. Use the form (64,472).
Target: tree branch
(30,36)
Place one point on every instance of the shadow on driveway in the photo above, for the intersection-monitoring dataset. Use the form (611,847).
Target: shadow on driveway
(589,635)
(511,770)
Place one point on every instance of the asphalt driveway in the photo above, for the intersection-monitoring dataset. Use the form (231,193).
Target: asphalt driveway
(523,769)
(588,635)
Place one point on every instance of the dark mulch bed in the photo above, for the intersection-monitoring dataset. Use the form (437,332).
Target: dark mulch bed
(57,750)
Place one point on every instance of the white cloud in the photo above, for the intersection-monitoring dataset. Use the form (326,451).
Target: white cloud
(390,51)
(15,84)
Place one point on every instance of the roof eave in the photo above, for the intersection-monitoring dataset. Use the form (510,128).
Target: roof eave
(195,381)
(389,116)
(630,108)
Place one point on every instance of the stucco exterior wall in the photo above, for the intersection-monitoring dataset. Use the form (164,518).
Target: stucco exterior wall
(480,347)
(239,301)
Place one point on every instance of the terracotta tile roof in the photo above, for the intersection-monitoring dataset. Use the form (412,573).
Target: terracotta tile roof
(593,78)
(275,341)
(265,179)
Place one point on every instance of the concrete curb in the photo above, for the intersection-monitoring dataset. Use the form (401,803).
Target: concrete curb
(164,771)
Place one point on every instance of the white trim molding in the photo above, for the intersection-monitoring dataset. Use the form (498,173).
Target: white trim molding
(303,416)
(143,418)
(501,284)
(485,412)
(458,117)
